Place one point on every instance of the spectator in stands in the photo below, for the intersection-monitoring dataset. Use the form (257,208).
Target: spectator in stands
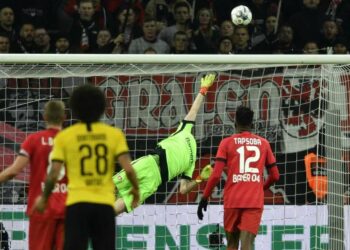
(7,18)
(4,44)
(285,41)
(105,43)
(25,42)
(225,45)
(149,39)
(181,43)
(242,41)
(341,46)
(268,38)
(260,11)
(102,15)
(127,28)
(84,30)
(311,47)
(207,34)
(42,41)
(104,37)
(182,14)
(227,29)
(62,44)
(329,33)
(342,16)
(307,23)
(159,10)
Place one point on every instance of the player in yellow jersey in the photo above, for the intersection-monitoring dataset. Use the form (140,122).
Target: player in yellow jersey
(173,156)
(89,149)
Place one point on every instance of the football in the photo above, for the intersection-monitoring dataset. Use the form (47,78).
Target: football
(241,15)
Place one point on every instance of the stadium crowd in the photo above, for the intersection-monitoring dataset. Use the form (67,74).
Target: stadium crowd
(174,26)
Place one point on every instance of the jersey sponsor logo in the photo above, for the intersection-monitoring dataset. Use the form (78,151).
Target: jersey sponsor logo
(245,178)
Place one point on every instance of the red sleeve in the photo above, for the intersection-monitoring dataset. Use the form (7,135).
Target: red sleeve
(270,159)
(27,146)
(220,163)
(274,175)
(214,178)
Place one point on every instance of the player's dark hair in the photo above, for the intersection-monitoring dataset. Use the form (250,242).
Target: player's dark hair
(244,116)
(87,103)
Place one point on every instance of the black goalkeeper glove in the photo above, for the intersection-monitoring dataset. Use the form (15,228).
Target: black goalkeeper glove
(202,206)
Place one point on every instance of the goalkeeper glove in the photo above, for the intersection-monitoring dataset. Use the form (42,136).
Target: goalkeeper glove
(205,174)
(206,82)
(202,206)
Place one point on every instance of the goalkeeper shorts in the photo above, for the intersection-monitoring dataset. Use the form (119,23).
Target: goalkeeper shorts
(243,219)
(148,175)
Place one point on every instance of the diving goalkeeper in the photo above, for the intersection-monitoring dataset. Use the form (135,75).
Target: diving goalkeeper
(173,156)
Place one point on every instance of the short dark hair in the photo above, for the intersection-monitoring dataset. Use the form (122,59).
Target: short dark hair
(87,103)
(244,116)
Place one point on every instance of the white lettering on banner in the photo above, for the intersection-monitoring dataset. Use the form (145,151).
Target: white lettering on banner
(145,104)
(248,141)
(245,178)
(59,187)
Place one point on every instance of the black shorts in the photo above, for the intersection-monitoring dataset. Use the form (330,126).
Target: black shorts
(92,221)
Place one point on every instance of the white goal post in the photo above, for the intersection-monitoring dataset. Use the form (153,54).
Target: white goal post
(301,105)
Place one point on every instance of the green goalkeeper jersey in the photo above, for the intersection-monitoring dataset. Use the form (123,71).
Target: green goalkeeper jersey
(181,151)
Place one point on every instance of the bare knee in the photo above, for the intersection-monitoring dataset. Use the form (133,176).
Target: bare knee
(119,207)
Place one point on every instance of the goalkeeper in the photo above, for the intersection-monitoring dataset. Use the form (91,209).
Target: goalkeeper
(173,156)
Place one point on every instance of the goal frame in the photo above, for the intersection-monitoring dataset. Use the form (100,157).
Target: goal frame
(133,59)
(171,59)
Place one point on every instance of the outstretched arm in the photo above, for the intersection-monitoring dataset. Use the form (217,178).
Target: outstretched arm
(13,170)
(206,82)
(187,185)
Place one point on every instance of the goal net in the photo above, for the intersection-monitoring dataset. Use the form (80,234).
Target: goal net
(301,106)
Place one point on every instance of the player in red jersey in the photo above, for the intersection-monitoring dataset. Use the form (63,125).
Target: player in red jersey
(45,229)
(245,155)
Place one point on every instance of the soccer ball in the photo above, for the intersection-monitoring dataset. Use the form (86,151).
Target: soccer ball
(241,15)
